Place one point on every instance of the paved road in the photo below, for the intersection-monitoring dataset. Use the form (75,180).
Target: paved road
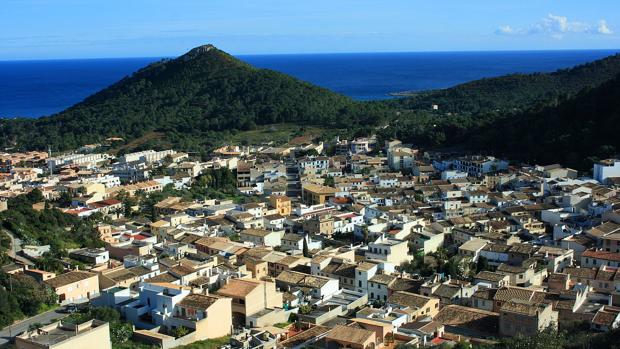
(7,333)
(16,247)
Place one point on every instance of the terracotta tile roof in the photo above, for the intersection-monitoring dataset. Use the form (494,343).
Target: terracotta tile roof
(198,301)
(238,288)
(164,277)
(447,291)
(522,307)
(506,294)
(490,276)
(485,293)
(408,299)
(256,232)
(304,336)
(181,270)
(606,316)
(69,278)
(608,256)
(408,285)
(350,334)
(340,269)
(383,279)
(605,275)
(469,318)
(584,273)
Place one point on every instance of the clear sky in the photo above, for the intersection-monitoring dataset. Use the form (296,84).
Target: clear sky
(44,29)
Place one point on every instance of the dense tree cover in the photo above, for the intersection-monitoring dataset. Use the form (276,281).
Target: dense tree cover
(515,92)
(49,226)
(192,100)
(196,101)
(210,184)
(22,296)
(576,132)
(5,245)
(437,262)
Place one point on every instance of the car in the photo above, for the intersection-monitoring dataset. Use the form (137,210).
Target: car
(69,309)
(74,308)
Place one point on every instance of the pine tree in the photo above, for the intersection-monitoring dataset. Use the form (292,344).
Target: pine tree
(305,247)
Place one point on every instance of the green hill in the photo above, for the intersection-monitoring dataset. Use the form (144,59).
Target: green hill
(575,133)
(205,97)
(515,92)
(191,99)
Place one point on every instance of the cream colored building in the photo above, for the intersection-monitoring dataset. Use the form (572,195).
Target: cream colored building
(415,305)
(389,250)
(526,318)
(314,194)
(281,203)
(249,296)
(93,334)
(210,316)
(74,285)
(262,237)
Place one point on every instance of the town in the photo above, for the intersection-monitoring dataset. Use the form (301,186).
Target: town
(355,243)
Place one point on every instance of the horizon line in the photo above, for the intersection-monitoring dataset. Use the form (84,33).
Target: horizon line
(309,53)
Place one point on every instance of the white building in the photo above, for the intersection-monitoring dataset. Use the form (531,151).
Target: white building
(480,165)
(76,159)
(389,250)
(313,165)
(606,169)
(146,156)
(401,158)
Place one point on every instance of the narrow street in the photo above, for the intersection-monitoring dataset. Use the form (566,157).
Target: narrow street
(16,248)
(8,332)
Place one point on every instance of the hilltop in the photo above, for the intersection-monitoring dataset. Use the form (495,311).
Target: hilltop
(192,100)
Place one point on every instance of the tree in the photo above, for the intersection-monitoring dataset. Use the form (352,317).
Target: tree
(365,234)
(120,332)
(306,253)
(105,314)
(305,309)
(180,331)
(65,199)
(329,181)
(482,264)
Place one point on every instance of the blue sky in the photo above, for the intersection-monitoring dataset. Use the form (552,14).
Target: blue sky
(45,29)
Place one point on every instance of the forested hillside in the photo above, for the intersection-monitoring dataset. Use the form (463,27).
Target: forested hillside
(516,92)
(191,99)
(576,132)
(195,102)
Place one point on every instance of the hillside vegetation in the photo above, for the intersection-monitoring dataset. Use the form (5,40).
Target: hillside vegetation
(193,99)
(206,98)
(515,92)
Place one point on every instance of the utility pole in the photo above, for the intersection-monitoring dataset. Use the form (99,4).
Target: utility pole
(11,287)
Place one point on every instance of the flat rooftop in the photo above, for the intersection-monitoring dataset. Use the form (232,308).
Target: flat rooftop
(59,332)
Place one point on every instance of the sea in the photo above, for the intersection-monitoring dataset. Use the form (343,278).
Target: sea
(43,87)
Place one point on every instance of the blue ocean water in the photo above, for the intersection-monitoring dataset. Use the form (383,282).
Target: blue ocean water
(37,88)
